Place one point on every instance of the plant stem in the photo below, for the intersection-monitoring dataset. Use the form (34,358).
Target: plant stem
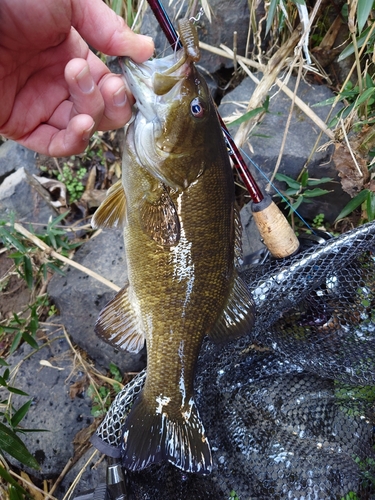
(39,243)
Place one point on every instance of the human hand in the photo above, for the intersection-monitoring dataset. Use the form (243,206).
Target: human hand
(54,91)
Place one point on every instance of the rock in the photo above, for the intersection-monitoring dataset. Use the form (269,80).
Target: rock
(52,408)
(80,298)
(94,475)
(225,20)
(266,141)
(14,156)
(22,194)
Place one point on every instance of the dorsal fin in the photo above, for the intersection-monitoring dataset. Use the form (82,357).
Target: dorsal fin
(112,211)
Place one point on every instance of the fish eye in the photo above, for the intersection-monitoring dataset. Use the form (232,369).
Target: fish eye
(197,108)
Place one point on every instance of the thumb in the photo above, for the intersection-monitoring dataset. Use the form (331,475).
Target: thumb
(104,30)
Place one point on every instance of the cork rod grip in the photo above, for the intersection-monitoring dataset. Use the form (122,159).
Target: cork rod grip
(274,229)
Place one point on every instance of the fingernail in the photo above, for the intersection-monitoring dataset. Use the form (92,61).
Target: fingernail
(88,133)
(85,81)
(120,97)
(149,40)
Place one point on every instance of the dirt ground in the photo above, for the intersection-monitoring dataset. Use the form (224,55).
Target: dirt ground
(14,292)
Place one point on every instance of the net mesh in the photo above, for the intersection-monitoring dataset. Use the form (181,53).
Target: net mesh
(289,410)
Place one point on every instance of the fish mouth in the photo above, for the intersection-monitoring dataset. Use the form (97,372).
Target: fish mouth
(158,86)
(154,82)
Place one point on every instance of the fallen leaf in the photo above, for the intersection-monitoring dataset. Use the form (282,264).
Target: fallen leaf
(78,387)
(44,362)
(329,38)
(325,56)
(56,188)
(29,486)
(81,440)
(93,197)
(90,184)
(352,181)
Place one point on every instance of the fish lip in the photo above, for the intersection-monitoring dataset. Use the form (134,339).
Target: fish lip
(140,81)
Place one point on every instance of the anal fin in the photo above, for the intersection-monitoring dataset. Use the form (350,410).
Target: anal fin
(118,324)
(238,316)
(112,211)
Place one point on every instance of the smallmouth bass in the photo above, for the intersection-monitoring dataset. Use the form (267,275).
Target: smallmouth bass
(182,235)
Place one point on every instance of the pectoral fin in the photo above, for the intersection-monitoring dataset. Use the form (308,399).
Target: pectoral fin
(238,316)
(112,211)
(118,324)
(160,219)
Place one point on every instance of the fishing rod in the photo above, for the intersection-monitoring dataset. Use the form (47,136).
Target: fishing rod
(273,226)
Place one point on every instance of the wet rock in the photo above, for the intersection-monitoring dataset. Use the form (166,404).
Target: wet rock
(52,409)
(80,298)
(225,20)
(14,156)
(267,137)
(22,194)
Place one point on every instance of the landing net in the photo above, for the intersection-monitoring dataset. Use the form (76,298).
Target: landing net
(289,410)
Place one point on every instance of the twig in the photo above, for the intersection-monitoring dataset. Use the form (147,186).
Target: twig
(353,30)
(337,98)
(139,10)
(69,229)
(222,53)
(193,9)
(57,166)
(252,13)
(85,366)
(14,370)
(39,243)
(226,52)
(354,66)
(235,51)
(287,125)
(350,148)
(270,73)
(304,42)
(24,480)
(65,470)
(78,478)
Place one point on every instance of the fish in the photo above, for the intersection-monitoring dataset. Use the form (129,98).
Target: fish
(176,204)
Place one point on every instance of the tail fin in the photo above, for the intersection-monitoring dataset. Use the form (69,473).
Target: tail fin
(151,436)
